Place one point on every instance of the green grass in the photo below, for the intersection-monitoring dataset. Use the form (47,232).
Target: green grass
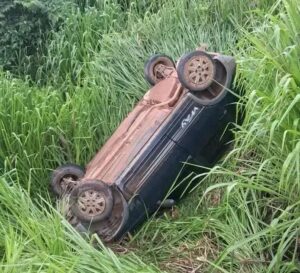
(244,217)
(35,238)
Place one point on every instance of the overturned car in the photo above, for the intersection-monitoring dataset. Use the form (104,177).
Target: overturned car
(183,118)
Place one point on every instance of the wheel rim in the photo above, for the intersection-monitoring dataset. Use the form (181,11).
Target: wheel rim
(91,203)
(200,71)
(68,183)
(159,66)
(157,71)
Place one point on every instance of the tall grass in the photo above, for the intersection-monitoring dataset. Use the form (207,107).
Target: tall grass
(263,185)
(171,26)
(35,238)
(92,74)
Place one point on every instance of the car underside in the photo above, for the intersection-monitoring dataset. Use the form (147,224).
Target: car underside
(184,119)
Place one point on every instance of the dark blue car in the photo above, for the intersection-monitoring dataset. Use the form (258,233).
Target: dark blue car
(183,118)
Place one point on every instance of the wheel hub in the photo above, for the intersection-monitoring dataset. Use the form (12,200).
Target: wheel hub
(68,183)
(161,71)
(200,70)
(91,203)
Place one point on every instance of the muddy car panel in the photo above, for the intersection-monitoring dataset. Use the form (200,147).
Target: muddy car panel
(134,132)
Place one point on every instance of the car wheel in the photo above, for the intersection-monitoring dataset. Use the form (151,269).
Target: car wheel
(65,178)
(152,67)
(92,201)
(196,70)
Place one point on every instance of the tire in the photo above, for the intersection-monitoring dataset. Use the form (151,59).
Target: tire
(150,67)
(196,70)
(61,175)
(92,201)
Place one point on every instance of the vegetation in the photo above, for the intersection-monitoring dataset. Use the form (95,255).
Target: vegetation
(24,28)
(243,217)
